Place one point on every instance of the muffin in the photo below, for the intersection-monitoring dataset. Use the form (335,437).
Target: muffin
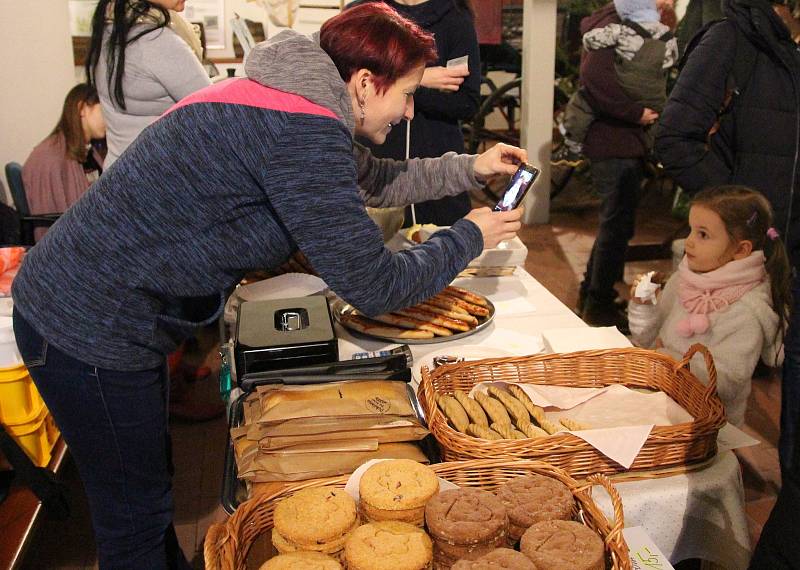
(563,545)
(532,499)
(301,561)
(465,524)
(397,489)
(498,559)
(318,519)
(388,545)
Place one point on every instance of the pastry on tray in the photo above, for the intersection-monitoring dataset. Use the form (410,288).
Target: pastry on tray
(532,499)
(388,545)
(563,545)
(301,561)
(498,559)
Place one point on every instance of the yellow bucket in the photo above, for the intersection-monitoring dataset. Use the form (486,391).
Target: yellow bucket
(37,437)
(20,401)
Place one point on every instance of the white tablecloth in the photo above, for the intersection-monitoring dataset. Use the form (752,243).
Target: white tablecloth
(695,515)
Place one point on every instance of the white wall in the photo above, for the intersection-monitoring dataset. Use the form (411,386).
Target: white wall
(38,71)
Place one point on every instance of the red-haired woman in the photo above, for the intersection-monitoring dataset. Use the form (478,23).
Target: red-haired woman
(236,176)
(447,96)
(61,167)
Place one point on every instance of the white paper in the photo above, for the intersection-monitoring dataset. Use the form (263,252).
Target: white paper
(646,289)
(574,339)
(351,487)
(644,553)
(731,437)
(458,61)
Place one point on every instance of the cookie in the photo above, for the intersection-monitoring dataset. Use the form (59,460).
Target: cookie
(534,498)
(453,411)
(301,561)
(513,405)
(332,547)
(573,425)
(389,545)
(466,516)
(482,432)
(508,431)
(498,559)
(473,409)
(397,485)
(563,545)
(493,408)
(531,430)
(315,516)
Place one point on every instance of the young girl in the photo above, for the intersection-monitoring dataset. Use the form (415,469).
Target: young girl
(731,293)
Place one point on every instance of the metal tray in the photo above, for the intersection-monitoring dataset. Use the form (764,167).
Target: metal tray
(340,308)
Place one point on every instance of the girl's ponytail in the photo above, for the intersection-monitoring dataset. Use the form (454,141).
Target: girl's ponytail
(780,275)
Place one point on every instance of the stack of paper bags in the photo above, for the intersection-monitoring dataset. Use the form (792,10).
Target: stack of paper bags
(293,433)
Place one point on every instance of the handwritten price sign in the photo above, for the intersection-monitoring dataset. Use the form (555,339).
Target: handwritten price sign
(645,555)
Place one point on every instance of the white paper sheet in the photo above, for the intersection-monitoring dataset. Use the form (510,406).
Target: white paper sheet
(584,338)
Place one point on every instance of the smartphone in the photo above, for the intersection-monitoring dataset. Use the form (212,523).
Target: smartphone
(517,187)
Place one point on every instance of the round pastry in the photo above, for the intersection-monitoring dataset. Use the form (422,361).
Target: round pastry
(301,561)
(315,516)
(398,485)
(466,516)
(333,547)
(411,516)
(497,559)
(388,545)
(534,498)
(563,545)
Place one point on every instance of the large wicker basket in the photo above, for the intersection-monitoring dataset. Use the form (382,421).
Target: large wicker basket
(666,446)
(227,545)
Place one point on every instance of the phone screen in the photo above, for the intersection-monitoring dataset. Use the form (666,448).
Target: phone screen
(517,187)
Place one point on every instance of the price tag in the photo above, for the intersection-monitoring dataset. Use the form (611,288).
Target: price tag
(645,555)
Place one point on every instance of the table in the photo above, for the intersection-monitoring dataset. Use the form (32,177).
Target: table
(695,515)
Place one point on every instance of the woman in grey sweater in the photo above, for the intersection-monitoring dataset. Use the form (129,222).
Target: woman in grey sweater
(143,58)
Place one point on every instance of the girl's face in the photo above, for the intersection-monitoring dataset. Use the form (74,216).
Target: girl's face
(92,121)
(384,111)
(709,246)
(176,5)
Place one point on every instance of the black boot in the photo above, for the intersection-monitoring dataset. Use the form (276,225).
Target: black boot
(607,314)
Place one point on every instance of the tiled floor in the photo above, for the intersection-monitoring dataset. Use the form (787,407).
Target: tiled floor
(558,253)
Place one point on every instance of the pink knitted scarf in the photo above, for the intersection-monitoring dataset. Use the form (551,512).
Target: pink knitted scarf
(704,293)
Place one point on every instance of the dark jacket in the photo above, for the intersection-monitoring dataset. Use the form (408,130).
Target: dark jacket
(237,176)
(757,141)
(435,129)
(615,132)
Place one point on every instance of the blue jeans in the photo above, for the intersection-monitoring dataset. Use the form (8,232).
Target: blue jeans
(115,424)
(790,385)
(618,181)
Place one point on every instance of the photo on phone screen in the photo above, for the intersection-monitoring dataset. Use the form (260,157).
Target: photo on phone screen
(517,187)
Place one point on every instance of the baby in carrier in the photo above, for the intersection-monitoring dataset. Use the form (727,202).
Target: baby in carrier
(645,49)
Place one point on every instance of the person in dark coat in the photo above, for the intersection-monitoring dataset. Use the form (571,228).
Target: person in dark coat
(445,97)
(729,123)
(755,141)
(616,144)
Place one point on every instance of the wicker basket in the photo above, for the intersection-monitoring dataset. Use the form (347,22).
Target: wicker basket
(227,545)
(666,446)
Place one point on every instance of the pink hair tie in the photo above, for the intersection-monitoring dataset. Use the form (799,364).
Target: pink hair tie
(772,234)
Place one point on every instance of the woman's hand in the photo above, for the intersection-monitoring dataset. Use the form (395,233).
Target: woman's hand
(496,226)
(500,159)
(444,78)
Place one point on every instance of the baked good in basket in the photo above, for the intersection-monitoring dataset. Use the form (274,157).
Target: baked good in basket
(397,489)
(301,561)
(498,559)
(388,545)
(534,498)
(318,519)
(563,545)
(465,523)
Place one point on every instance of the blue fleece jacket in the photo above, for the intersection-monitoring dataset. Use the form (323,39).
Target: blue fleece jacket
(235,177)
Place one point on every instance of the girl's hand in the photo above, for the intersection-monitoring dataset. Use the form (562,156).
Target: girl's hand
(444,78)
(657,277)
(500,159)
(496,226)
